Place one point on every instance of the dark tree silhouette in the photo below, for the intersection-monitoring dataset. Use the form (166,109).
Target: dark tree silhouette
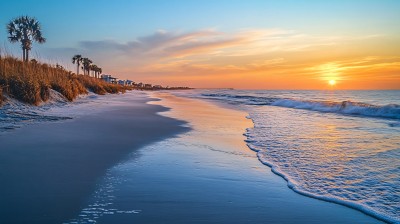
(25,29)
(86,62)
(78,60)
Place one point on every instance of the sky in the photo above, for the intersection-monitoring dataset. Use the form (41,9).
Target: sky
(299,44)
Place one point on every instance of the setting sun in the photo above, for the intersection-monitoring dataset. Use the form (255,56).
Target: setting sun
(332,82)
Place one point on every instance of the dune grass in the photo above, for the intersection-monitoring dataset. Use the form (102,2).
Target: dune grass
(30,82)
(1,96)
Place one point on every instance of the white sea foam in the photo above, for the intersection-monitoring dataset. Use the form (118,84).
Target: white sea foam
(345,107)
(349,161)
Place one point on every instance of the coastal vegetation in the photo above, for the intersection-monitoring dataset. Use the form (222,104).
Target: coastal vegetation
(1,96)
(30,82)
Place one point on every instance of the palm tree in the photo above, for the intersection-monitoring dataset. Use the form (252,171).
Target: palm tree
(77,59)
(86,62)
(96,71)
(25,29)
(93,68)
(99,71)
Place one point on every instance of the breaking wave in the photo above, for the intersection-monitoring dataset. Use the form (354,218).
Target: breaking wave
(344,107)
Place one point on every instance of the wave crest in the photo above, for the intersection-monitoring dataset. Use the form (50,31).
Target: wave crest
(345,107)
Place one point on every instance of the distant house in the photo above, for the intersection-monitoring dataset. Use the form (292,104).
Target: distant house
(139,85)
(109,78)
(157,87)
(129,83)
(121,82)
(148,86)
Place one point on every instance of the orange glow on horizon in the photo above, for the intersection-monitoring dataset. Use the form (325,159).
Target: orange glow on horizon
(268,59)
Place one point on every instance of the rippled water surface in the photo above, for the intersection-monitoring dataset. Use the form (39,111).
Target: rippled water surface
(339,146)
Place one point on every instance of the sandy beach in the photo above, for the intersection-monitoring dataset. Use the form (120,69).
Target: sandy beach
(158,170)
(48,170)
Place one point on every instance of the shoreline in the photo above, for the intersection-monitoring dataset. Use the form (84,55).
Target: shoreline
(49,169)
(206,175)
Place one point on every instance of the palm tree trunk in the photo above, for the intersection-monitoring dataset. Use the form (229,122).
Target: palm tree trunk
(27,55)
(77,69)
(23,54)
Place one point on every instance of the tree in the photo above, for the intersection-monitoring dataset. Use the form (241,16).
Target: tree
(93,68)
(25,29)
(99,71)
(96,70)
(86,62)
(78,60)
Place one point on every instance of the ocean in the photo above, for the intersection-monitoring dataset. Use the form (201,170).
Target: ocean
(337,146)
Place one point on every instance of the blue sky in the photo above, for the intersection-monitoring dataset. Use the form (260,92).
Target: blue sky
(70,25)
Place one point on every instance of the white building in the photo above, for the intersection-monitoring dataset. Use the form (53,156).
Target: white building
(108,78)
(129,83)
(121,82)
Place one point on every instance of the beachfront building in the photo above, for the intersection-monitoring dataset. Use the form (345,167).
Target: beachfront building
(121,82)
(157,87)
(109,78)
(148,86)
(139,85)
(129,82)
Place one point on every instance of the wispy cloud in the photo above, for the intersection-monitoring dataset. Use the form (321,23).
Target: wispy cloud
(166,44)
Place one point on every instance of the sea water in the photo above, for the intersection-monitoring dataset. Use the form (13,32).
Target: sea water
(338,146)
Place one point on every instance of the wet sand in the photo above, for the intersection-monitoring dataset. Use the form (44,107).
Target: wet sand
(206,175)
(48,170)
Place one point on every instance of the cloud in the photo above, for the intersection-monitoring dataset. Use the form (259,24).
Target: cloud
(173,44)
(161,43)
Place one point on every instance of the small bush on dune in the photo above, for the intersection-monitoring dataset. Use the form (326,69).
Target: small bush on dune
(24,90)
(100,87)
(44,91)
(93,85)
(77,87)
(111,89)
(30,82)
(1,95)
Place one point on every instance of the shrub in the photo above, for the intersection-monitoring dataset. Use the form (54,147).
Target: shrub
(44,91)
(1,95)
(24,90)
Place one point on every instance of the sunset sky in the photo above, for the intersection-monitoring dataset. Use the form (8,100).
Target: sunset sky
(238,44)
